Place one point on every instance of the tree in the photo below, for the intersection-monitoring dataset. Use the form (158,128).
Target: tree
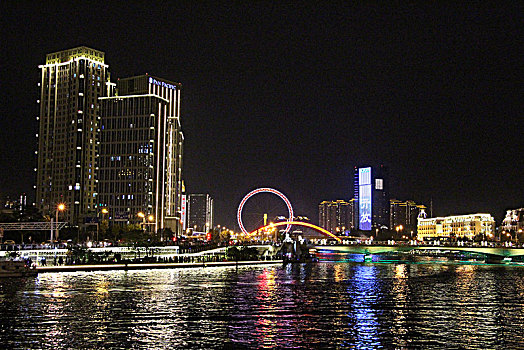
(116,232)
(134,234)
(233,253)
(167,234)
(103,230)
(224,236)
(245,253)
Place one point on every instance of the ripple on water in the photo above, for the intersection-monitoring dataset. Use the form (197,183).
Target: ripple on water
(327,305)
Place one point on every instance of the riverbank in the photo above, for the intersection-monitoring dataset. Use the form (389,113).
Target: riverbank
(150,266)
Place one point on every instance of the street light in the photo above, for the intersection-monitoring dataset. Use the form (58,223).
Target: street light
(151,219)
(59,207)
(143,216)
(104,212)
(399,228)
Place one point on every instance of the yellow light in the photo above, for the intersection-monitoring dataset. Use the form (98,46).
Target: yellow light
(151,218)
(141,215)
(61,207)
(305,224)
(105,211)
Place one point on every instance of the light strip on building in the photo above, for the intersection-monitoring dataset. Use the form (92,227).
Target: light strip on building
(132,96)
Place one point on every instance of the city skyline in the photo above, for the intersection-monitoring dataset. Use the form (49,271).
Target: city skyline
(295,98)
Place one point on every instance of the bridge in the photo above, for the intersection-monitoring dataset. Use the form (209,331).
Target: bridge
(501,252)
(32,226)
(355,247)
(298,223)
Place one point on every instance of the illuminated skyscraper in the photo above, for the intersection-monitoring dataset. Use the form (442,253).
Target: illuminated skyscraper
(403,215)
(200,212)
(141,153)
(71,83)
(371,194)
(336,216)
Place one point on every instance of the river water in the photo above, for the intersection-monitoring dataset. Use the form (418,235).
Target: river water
(324,305)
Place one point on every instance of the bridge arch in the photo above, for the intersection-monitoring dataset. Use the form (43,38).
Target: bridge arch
(300,223)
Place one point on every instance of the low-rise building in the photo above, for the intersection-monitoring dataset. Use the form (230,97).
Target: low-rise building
(456,227)
(514,221)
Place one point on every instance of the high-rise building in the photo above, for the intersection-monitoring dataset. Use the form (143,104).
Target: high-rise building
(336,216)
(71,83)
(200,212)
(371,193)
(141,153)
(403,216)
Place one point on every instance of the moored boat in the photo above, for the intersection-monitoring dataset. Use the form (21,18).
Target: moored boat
(16,268)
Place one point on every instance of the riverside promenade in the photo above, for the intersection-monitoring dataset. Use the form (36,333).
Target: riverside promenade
(150,266)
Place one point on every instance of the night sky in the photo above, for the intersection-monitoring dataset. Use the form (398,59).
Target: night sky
(293,96)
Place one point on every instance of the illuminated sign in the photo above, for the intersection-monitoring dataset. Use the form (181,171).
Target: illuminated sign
(184,211)
(161,83)
(364,198)
(379,184)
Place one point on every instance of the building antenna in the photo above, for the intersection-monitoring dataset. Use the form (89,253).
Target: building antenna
(431,207)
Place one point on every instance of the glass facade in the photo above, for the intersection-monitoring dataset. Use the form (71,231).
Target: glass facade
(71,83)
(141,153)
(371,192)
(200,212)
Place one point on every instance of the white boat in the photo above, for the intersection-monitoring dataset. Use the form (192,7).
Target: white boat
(16,268)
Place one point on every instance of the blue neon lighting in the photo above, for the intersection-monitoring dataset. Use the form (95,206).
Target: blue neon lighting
(161,83)
(364,198)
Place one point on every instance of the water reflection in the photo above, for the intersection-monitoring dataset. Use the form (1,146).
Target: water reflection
(364,291)
(400,310)
(266,327)
(326,305)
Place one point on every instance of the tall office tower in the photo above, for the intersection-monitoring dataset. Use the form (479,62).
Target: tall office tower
(336,216)
(403,216)
(323,215)
(200,212)
(371,190)
(353,208)
(397,213)
(141,153)
(70,85)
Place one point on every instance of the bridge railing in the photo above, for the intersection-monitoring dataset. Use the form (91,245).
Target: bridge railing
(415,243)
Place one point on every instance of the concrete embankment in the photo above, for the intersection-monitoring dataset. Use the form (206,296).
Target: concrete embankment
(151,266)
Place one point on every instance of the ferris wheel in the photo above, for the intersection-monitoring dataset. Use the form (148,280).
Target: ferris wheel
(258,191)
